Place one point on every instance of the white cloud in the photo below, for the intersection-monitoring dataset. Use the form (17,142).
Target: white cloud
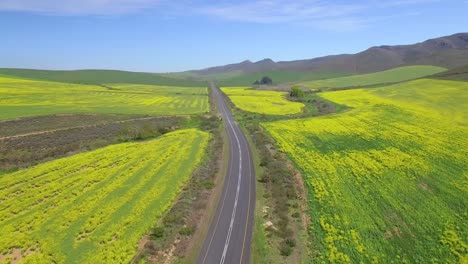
(77,7)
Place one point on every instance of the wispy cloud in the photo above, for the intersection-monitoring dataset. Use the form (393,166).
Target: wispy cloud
(342,16)
(327,15)
(77,7)
(280,11)
(407,2)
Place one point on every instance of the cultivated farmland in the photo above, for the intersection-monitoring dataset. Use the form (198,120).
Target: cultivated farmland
(96,206)
(387,180)
(21,98)
(389,76)
(262,102)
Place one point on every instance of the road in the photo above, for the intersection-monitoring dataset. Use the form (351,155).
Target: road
(230,234)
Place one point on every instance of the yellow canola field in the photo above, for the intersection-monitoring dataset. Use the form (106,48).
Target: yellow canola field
(262,102)
(94,207)
(388,179)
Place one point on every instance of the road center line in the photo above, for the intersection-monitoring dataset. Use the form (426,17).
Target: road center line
(233,215)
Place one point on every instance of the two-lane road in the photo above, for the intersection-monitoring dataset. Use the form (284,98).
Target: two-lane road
(230,233)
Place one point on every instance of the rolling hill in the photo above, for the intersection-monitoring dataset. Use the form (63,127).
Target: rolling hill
(100,77)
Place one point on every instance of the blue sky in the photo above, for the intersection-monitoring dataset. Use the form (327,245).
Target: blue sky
(164,36)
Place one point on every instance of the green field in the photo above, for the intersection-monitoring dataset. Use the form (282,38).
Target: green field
(102,76)
(20,98)
(383,77)
(387,180)
(262,102)
(96,206)
(278,76)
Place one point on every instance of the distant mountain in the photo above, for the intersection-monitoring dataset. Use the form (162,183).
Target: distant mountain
(245,66)
(448,52)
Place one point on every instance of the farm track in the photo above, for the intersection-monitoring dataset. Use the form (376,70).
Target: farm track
(230,233)
(86,126)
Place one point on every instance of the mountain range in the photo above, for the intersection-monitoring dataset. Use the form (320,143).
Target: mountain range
(449,52)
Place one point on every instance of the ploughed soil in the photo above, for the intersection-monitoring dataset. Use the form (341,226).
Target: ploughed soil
(29,141)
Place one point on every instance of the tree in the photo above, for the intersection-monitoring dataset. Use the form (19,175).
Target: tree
(296,92)
(266,80)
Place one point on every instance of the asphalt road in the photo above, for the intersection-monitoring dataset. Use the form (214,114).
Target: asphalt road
(230,234)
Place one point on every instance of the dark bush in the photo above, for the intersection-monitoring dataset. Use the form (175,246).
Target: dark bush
(207,184)
(173,218)
(285,249)
(158,232)
(264,81)
(290,242)
(187,230)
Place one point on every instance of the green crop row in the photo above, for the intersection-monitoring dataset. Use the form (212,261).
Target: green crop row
(96,206)
(20,98)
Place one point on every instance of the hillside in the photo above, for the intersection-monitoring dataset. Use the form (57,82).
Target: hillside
(100,77)
(448,52)
(457,74)
(383,77)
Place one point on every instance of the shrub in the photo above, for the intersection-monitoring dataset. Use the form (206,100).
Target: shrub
(296,92)
(285,249)
(187,230)
(291,242)
(158,232)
